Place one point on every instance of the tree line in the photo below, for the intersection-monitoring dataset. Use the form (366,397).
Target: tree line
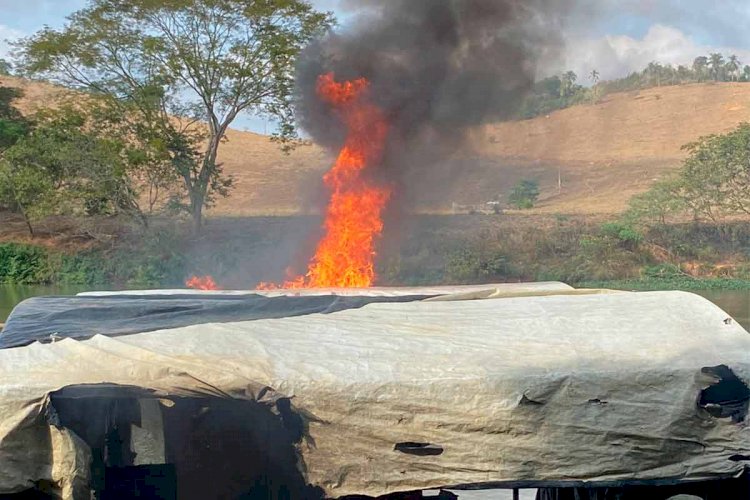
(563,91)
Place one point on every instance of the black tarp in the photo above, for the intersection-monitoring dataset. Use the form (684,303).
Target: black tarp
(47,318)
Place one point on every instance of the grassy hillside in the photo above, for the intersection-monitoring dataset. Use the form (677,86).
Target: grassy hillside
(605,153)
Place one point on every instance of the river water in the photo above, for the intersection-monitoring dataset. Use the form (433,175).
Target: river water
(735,302)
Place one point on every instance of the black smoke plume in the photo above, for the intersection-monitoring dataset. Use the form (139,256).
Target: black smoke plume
(439,68)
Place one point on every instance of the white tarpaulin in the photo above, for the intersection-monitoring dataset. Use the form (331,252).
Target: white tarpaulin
(535,390)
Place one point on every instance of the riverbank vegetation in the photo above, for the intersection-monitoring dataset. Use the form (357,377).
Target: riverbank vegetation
(449,249)
(688,231)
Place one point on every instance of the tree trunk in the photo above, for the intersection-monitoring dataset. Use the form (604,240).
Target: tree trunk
(196,211)
(28,225)
(200,188)
(26,220)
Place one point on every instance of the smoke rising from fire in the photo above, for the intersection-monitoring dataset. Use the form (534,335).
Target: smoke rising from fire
(438,69)
(417,76)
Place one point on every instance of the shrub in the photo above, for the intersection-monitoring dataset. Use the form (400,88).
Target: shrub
(24,264)
(472,265)
(624,233)
(525,194)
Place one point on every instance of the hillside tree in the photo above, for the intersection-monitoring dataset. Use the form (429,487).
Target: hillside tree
(713,183)
(733,66)
(700,67)
(204,62)
(716,66)
(568,80)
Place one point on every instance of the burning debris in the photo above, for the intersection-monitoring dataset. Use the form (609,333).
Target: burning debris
(202,283)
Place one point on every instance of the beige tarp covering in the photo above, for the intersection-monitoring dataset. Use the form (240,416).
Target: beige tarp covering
(573,386)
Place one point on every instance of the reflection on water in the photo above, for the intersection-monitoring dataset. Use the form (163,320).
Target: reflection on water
(735,302)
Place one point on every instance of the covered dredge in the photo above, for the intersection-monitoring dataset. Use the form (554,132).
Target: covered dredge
(376,392)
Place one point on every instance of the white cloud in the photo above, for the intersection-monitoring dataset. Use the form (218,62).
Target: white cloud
(7,34)
(617,56)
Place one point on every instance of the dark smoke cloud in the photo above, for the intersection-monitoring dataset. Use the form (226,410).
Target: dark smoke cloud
(438,68)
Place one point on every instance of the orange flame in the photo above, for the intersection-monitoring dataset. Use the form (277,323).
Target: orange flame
(202,283)
(345,256)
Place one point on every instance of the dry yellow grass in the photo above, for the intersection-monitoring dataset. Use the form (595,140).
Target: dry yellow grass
(605,152)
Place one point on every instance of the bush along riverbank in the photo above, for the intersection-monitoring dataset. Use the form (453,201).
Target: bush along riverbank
(576,250)
(24,264)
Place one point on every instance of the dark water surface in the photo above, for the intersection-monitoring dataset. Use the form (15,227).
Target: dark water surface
(734,302)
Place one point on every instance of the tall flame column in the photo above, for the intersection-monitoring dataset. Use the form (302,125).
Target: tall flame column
(345,255)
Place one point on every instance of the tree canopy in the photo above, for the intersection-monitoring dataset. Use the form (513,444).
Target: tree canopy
(64,166)
(203,62)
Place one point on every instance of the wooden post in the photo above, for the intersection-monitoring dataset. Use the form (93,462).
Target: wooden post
(516,494)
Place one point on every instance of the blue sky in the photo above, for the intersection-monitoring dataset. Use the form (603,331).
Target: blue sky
(611,36)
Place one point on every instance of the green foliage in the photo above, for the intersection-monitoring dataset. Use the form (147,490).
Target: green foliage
(552,94)
(13,125)
(624,233)
(64,167)
(713,183)
(82,269)
(663,271)
(205,61)
(611,252)
(715,179)
(154,261)
(6,69)
(656,205)
(24,264)
(524,194)
(471,265)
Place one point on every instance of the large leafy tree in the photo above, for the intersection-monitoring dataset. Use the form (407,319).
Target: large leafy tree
(202,61)
(713,183)
(715,179)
